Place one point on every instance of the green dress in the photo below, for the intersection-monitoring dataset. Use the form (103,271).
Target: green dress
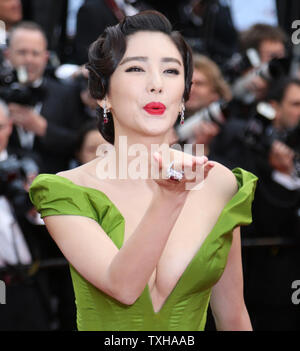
(186,306)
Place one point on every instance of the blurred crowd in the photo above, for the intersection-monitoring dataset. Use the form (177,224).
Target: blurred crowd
(244,107)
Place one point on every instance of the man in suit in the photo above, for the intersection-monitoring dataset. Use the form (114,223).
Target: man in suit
(47,132)
(27,295)
(47,129)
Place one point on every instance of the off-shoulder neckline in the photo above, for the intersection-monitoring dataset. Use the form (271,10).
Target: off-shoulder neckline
(188,267)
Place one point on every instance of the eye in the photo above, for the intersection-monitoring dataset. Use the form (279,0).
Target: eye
(134,69)
(172,71)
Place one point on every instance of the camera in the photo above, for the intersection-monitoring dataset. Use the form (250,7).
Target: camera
(216,112)
(240,63)
(13,174)
(272,70)
(260,134)
(13,87)
(275,69)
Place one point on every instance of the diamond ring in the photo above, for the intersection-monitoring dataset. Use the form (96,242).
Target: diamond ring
(173,174)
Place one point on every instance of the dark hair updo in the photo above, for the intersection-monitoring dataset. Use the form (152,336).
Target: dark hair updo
(107,51)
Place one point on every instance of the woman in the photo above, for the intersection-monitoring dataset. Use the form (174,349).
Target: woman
(146,253)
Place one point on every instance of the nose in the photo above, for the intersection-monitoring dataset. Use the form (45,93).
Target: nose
(155,83)
(27,58)
(153,90)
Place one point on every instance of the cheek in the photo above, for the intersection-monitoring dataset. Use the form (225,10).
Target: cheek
(201,91)
(16,59)
(40,64)
(123,96)
(176,90)
(296,115)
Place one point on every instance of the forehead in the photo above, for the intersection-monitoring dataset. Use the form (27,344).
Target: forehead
(27,36)
(271,44)
(292,92)
(151,44)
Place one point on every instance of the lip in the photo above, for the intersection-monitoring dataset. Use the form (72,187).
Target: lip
(155,108)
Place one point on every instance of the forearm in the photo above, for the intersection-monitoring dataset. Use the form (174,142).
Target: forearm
(227,298)
(131,268)
(234,321)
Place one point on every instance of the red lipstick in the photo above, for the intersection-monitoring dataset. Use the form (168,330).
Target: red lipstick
(155,108)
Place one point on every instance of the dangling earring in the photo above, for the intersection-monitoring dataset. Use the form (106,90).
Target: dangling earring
(105,118)
(182,114)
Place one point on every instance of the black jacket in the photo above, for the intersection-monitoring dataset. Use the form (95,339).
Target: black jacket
(60,107)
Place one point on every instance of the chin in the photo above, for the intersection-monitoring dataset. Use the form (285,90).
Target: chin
(158,129)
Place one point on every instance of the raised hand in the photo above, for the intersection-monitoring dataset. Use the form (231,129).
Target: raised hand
(194,170)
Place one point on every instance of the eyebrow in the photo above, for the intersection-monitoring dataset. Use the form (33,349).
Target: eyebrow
(144,59)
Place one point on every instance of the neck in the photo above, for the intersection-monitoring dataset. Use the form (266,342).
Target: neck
(135,155)
(131,158)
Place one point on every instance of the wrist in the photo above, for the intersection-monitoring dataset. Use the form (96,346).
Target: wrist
(171,198)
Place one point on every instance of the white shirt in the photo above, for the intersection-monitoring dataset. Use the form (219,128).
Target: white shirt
(13,247)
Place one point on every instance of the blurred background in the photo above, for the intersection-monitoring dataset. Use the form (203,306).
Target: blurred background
(244,107)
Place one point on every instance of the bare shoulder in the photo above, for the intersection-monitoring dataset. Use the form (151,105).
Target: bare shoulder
(222,180)
(80,174)
(71,174)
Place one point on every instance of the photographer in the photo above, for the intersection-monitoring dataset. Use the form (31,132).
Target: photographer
(208,87)
(46,119)
(279,179)
(266,145)
(263,58)
(26,289)
(261,145)
(267,40)
(44,123)
(276,214)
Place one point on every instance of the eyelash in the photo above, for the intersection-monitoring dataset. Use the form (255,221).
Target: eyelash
(134,69)
(138,69)
(172,71)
